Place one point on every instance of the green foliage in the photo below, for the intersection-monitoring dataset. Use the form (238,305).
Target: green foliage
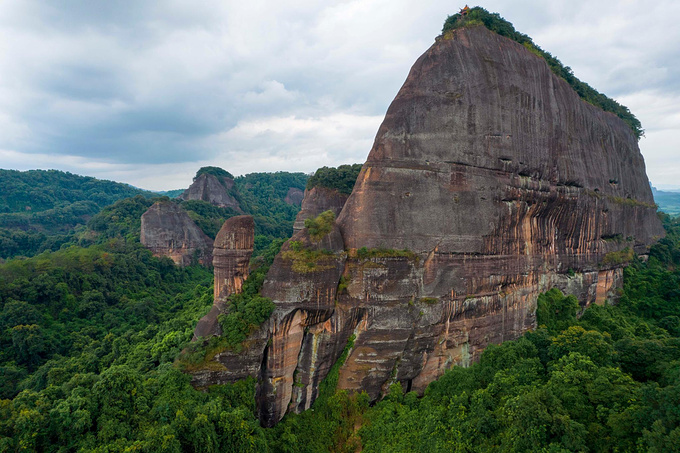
(123,219)
(619,257)
(494,22)
(208,217)
(555,311)
(262,195)
(321,225)
(40,209)
(341,178)
(88,337)
(305,260)
(218,172)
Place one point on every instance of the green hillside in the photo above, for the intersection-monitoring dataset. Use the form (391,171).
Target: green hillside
(40,209)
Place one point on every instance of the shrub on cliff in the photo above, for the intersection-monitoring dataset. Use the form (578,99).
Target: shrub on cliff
(321,225)
(341,178)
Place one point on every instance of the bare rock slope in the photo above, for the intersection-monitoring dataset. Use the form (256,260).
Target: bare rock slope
(213,189)
(489,182)
(169,231)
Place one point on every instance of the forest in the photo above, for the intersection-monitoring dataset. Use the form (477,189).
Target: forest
(94,336)
(45,210)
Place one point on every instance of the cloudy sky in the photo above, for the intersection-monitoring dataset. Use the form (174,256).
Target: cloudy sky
(146,92)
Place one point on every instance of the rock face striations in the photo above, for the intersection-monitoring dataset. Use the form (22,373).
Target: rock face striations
(217,190)
(489,182)
(316,201)
(233,248)
(169,231)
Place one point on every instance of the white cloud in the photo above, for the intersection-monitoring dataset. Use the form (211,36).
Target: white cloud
(150,91)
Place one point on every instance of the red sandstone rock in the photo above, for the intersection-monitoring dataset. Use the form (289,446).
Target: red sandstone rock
(233,248)
(316,201)
(214,190)
(169,231)
(501,182)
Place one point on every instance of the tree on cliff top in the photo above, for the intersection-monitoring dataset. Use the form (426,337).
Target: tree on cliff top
(495,23)
(342,178)
(215,171)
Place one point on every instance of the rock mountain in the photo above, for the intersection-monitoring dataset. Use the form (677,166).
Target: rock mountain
(489,182)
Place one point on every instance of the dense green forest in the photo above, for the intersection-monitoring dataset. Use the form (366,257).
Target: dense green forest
(495,23)
(47,210)
(90,337)
(94,337)
(39,209)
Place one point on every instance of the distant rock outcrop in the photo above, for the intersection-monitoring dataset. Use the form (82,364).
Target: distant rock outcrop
(294,196)
(217,190)
(489,182)
(233,248)
(316,201)
(169,231)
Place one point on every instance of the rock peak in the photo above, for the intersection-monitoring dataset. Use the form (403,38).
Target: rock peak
(489,181)
(218,190)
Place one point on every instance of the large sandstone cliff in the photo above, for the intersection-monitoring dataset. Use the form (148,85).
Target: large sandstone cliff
(169,231)
(489,182)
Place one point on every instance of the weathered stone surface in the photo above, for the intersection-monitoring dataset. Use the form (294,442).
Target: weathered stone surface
(232,250)
(169,231)
(316,201)
(501,183)
(214,190)
(294,196)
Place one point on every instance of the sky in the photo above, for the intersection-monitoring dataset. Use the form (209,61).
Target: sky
(147,92)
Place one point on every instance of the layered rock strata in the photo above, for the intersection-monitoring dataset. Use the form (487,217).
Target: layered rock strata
(316,201)
(489,182)
(232,250)
(214,190)
(168,231)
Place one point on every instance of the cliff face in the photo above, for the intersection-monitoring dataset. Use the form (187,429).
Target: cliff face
(232,250)
(294,196)
(316,201)
(489,182)
(214,190)
(168,231)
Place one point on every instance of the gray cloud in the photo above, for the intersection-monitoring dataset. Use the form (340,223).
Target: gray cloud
(146,92)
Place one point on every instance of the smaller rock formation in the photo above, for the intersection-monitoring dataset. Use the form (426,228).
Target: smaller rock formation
(316,201)
(169,231)
(294,196)
(233,248)
(217,190)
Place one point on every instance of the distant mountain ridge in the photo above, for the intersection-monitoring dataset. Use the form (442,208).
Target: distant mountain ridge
(668,201)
